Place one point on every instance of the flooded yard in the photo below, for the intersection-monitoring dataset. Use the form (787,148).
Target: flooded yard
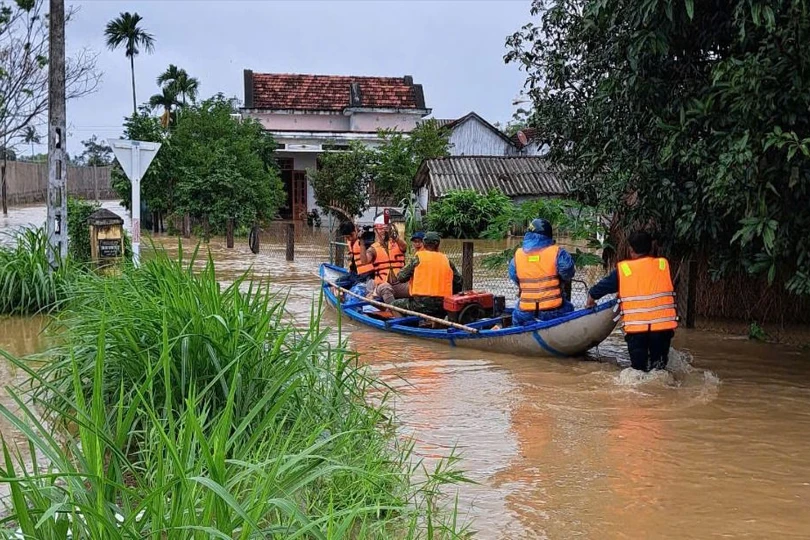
(575,448)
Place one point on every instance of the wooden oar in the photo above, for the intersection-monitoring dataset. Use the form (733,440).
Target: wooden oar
(383,305)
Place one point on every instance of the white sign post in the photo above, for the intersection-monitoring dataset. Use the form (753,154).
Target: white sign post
(135,158)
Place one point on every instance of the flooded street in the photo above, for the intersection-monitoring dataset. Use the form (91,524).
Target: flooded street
(580,449)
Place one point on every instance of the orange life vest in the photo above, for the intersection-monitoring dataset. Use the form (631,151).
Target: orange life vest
(433,276)
(538,280)
(646,295)
(387,262)
(355,251)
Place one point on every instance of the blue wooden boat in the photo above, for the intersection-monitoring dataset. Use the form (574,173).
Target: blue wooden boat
(568,336)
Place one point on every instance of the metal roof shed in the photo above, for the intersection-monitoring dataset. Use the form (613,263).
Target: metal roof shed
(518,177)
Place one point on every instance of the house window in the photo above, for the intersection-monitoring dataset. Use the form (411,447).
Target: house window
(335,147)
(285,164)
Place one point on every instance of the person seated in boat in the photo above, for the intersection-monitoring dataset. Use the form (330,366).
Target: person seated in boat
(358,271)
(539,268)
(430,277)
(647,301)
(417,241)
(387,257)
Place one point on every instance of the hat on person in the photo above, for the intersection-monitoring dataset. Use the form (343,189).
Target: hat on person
(418,235)
(379,222)
(541,226)
(432,237)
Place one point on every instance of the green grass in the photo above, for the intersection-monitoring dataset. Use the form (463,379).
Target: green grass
(26,283)
(176,408)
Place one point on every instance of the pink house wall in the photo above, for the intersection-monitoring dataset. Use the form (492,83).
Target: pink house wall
(303,122)
(375,121)
(358,122)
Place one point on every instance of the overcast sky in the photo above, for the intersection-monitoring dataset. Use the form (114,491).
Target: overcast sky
(453,48)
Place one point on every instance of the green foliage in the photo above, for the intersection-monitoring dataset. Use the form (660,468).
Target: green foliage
(96,154)
(399,156)
(567,217)
(78,229)
(224,167)
(26,283)
(178,80)
(179,409)
(210,164)
(342,179)
(465,213)
(688,117)
(757,333)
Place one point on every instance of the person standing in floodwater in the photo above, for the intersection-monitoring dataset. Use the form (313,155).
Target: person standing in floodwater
(647,302)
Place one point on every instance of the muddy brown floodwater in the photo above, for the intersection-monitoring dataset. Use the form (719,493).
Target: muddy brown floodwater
(717,448)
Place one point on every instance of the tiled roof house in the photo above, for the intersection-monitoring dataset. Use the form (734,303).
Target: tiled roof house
(311,114)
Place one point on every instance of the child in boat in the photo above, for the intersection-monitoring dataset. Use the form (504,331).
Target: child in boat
(539,269)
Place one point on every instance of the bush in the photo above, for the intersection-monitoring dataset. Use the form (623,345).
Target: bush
(465,213)
(78,229)
(27,284)
(567,217)
(197,412)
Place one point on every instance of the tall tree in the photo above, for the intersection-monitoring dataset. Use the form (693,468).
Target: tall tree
(167,99)
(688,115)
(342,179)
(178,80)
(399,156)
(24,67)
(125,31)
(96,153)
(224,167)
(30,136)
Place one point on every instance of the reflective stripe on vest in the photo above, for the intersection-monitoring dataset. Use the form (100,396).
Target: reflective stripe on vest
(539,283)
(355,251)
(433,276)
(646,295)
(387,262)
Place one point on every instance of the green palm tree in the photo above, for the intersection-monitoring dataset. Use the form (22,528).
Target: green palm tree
(166,99)
(125,31)
(178,78)
(31,136)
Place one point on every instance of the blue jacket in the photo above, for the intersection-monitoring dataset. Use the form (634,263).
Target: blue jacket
(536,242)
(607,285)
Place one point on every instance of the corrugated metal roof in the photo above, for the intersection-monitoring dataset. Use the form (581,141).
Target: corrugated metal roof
(514,176)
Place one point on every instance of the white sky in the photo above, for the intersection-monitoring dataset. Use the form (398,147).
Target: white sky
(453,48)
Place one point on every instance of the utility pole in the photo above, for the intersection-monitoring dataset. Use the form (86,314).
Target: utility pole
(57,137)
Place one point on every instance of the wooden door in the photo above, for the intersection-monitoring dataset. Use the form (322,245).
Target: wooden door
(299,195)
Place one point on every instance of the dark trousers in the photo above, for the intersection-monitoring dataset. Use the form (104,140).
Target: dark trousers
(350,280)
(649,350)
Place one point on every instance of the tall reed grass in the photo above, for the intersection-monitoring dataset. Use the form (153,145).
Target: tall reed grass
(176,408)
(26,283)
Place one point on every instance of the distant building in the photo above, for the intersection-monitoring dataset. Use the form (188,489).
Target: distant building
(311,114)
(518,177)
(528,142)
(471,135)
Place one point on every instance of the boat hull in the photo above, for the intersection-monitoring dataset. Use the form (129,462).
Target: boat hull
(569,336)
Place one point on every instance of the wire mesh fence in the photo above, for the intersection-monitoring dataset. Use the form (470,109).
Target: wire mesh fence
(315,246)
